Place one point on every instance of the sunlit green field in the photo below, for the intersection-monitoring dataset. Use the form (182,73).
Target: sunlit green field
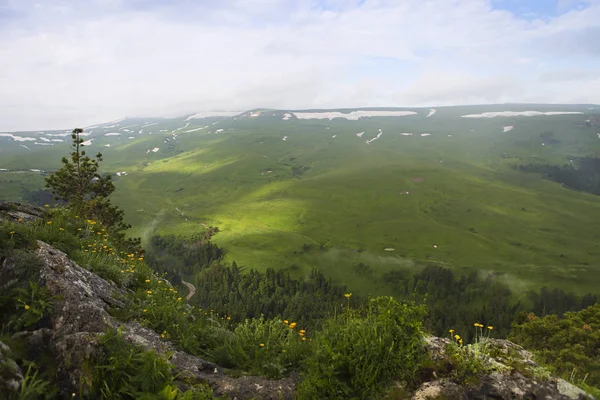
(438,199)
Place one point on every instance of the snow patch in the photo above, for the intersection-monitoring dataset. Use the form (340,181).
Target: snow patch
(22,145)
(507,128)
(208,114)
(406,134)
(154,123)
(35,170)
(154,150)
(334,136)
(57,140)
(284,138)
(44,144)
(107,145)
(375,138)
(354,115)
(87,142)
(131,137)
(388,249)
(431,112)
(359,134)
(122,173)
(113,134)
(219,130)
(18,138)
(425,134)
(197,129)
(519,114)
(44,139)
(286,116)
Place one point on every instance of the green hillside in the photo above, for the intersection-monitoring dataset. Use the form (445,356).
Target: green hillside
(318,201)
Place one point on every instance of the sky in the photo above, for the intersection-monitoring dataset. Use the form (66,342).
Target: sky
(67,63)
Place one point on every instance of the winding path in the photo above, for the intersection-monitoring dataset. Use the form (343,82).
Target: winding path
(191,288)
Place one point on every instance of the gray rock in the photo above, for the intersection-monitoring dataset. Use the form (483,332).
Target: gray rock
(11,376)
(571,391)
(17,211)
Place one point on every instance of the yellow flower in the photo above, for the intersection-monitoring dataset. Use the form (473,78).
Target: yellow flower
(228,318)
(303,338)
(11,233)
(460,341)
(46,205)
(147,280)
(456,337)
(26,307)
(145,310)
(149,292)
(348,295)
(20,220)
(300,334)
(49,223)
(141,258)
(302,331)
(490,327)
(285,321)
(283,351)
(62,229)
(451,331)
(179,299)
(293,325)
(162,335)
(476,324)
(262,345)
(159,281)
(78,229)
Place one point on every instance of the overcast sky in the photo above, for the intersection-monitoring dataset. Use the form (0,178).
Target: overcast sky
(66,63)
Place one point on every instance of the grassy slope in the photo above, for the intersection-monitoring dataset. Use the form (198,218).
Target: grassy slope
(479,211)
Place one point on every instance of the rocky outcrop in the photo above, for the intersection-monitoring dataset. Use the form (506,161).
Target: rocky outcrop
(11,375)
(18,212)
(514,377)
(80,315)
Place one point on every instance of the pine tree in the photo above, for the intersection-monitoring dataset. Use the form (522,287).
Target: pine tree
(78,181)
(79,184)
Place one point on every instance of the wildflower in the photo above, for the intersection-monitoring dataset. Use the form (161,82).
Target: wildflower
(179,299)
(476,324)
(293,325)
(141,258)
(49,223)
(347,295)
(285,321)
(228,318)
(145,310)
(11,233)
(300,334)
(164,334)
(490,327)
(20,220)
(262,345)
(149,292)
(62,229)
(451,330)
(303,339)
(302,331)
(78,229)
(86,250)
(26,307)
(456,337)
(283,351)
(460,341)
(184,313)
(47,205)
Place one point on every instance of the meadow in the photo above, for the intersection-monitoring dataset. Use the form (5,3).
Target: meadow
(324,198)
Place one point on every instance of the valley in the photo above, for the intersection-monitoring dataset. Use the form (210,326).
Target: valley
(389,189)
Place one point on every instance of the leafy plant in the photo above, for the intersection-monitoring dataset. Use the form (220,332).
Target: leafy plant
(359,352)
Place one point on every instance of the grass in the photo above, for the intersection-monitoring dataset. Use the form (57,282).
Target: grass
(344,195)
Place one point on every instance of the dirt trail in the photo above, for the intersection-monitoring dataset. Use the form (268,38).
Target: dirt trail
(191,288)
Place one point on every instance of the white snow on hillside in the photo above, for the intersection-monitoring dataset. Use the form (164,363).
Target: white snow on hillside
(87,142)
(208,114)
(113,134)
(154,150)
(375,138)
(507,128)
(406,134)
(287,116)
(219,130)
(44,144)
(518,114)
(22,145)
(57,140)
(107,145)
(197,129)
(359,134)
(354,115)
(431,112)
(18,138)
(59,134)
(425,134)
(44,139)
(154,123)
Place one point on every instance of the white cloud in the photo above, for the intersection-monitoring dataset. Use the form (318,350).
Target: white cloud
(65,63)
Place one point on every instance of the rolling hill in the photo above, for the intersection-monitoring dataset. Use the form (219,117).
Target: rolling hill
(354,192)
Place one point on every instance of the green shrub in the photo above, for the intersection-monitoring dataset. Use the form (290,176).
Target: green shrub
(25,307)
(269,348)
(358,353)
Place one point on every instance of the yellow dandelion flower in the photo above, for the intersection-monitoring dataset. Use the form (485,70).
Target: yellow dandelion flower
(11,233)
(285,321)
(293,325)
(490,327)
(347,295)
(20,220)
(262,345)
(149,292)
(140,258)
(456,337)
(451,331)
(46,205)
(145,310)
(300,334)
(162,335)
(179,299)
(460,341)
(283,351)
(303,339)
(147,280)
(61,229)
(26,307)
(302,331)
(49,223)
(476,324)
(228,318)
